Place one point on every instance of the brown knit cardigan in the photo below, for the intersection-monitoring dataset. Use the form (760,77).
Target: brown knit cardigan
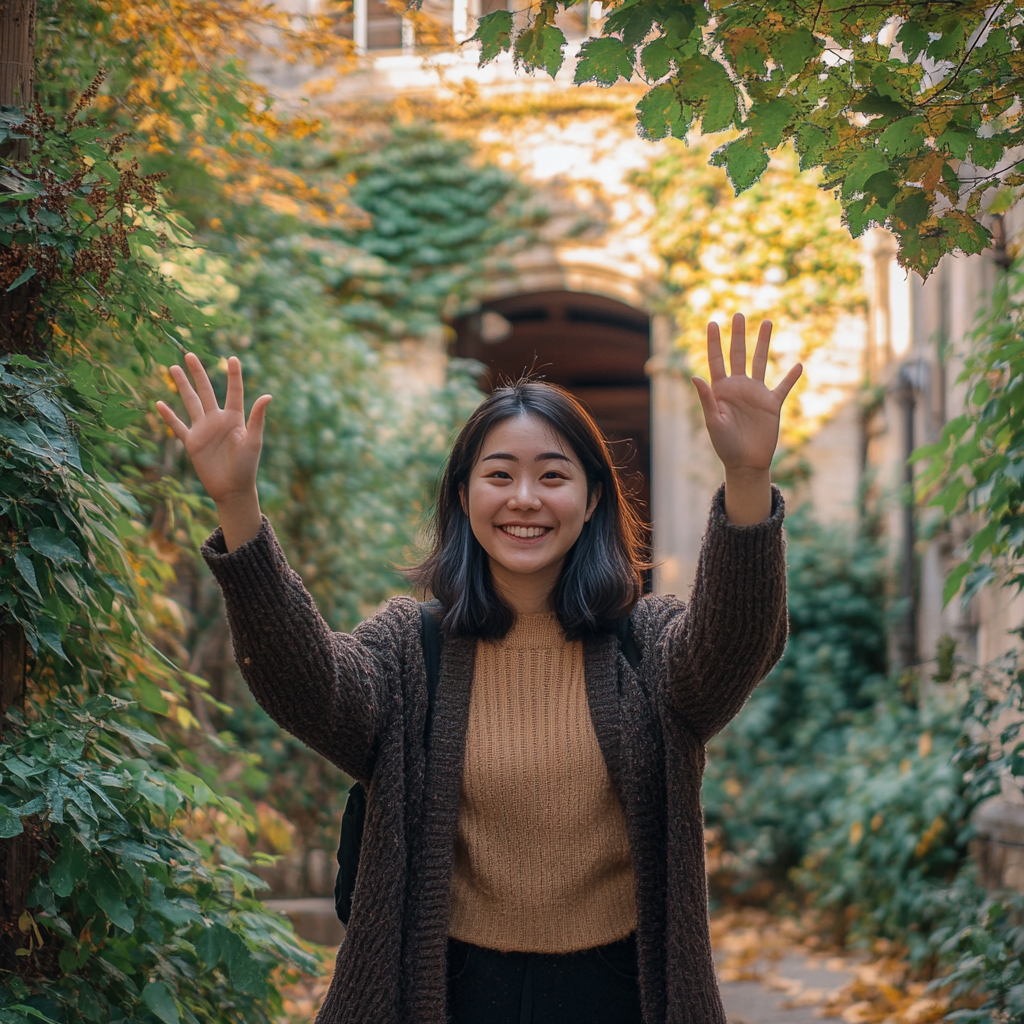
(360,700)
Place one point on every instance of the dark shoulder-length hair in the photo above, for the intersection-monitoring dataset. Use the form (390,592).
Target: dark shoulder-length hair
(601,579)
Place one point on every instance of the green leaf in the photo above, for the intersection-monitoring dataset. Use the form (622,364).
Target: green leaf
(659,113)
(541,47)
(27,570)
(494,34)
(882,187)
(108,899)
(151,698)
(914,39)
(794,49)
(873,102)
(52,544)
(52,639)
(768,123)
(208,948)
(744,161)
(904,135)
(27,273)
(604,61)
(913,209)
(987,152)
(239,964)
(10,824)
(69,867)
(157,996)
(657,58)
(632,21)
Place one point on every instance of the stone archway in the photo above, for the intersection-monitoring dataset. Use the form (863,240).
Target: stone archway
(594,346)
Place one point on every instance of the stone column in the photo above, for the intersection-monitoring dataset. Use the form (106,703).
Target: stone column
(684,468)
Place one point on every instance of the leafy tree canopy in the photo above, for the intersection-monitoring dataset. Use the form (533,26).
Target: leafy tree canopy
(911,110)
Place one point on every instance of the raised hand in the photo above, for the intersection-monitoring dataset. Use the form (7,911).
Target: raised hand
(742,417)
(224,450)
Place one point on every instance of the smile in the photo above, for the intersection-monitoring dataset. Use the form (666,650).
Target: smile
(525,532)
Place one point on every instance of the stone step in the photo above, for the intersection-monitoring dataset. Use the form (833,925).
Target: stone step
(314,919)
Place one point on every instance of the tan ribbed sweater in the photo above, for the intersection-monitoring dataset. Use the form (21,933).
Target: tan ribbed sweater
(542,859)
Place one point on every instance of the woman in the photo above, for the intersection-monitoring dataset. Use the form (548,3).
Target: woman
(540,859)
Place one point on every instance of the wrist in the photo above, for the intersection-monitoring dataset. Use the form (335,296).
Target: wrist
(748,495)
(240,518)
(748,476)
(239,501)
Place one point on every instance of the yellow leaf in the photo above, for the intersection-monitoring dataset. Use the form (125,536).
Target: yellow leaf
(876,822)
(185,717)
(924,744)
(856,832)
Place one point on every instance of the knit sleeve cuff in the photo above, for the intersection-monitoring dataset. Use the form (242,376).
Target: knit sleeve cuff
(251,567)
(745,554)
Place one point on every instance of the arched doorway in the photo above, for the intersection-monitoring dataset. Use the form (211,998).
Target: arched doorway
(593,346)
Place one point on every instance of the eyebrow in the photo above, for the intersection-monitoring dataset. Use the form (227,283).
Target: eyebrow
(543,457)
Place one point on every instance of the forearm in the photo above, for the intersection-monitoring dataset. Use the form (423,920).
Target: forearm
(240,519)
(748,496)
(317,684)
(734,627)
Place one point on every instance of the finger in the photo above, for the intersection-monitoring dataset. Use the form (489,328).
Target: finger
(203,386)
(760,363)
(258,417)
(233,399)
(788,381)
(738,346)
(189,398)
(178,428)
(707,399)
(715,358)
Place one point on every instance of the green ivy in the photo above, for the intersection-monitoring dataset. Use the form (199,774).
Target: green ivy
(128,919)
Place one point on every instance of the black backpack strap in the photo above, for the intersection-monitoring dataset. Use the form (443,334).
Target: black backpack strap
(627,642)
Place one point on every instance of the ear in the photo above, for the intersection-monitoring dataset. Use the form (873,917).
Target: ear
(462,499)
(595,497)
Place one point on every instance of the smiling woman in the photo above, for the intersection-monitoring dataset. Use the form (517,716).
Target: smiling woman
(521,526)
(533,841)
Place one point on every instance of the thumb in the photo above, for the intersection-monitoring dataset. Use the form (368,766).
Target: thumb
(258,417)
(784,388)
(707,398)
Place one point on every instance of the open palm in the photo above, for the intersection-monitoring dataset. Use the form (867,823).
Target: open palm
(224,450)
(742,415)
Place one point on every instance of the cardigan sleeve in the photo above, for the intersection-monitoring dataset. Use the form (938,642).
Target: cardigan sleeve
(734,628)
(328,689)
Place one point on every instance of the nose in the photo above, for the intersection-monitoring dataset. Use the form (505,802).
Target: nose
(525,496)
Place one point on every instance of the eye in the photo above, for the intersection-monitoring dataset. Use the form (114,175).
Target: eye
(553,474)
(499,474)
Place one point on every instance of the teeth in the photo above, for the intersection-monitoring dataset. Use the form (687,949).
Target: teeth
(525,532)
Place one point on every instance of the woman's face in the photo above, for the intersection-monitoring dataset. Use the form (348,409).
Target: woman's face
(527,498)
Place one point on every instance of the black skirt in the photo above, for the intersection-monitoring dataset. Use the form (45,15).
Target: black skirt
(592,986)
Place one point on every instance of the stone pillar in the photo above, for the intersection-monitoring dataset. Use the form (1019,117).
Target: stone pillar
(360,25)
(684,469)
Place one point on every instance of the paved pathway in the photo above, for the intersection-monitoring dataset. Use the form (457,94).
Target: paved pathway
(791,991)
